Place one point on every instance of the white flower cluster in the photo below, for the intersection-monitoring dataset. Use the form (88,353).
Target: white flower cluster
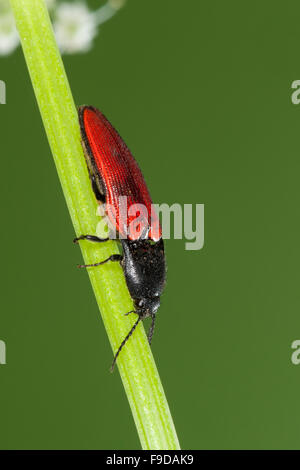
(75,25)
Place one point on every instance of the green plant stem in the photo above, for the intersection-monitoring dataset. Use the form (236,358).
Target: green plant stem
(136,365)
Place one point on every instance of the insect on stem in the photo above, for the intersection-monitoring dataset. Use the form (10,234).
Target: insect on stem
(115,176)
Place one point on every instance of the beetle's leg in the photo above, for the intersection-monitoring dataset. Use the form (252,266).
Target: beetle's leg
(131,311)
(111,258)
(91,238)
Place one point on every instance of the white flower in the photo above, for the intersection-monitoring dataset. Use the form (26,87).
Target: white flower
(75,27)
(9,37)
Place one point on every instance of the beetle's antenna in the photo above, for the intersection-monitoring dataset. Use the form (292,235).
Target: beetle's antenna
(151,330)
(124,342)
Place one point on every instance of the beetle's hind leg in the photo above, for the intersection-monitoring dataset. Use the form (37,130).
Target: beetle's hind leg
(91,238)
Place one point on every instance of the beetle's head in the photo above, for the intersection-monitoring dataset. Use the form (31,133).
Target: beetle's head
(147,307)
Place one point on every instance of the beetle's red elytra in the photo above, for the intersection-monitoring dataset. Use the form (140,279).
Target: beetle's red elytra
(114,174)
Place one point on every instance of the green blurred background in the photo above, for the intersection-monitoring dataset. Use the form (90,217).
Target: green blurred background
(201,93)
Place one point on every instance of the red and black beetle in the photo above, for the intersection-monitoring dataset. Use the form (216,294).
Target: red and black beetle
(114,173)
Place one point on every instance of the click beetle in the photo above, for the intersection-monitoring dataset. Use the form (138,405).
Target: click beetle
(114,173)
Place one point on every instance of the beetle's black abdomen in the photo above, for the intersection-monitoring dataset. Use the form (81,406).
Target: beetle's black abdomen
(144,268)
